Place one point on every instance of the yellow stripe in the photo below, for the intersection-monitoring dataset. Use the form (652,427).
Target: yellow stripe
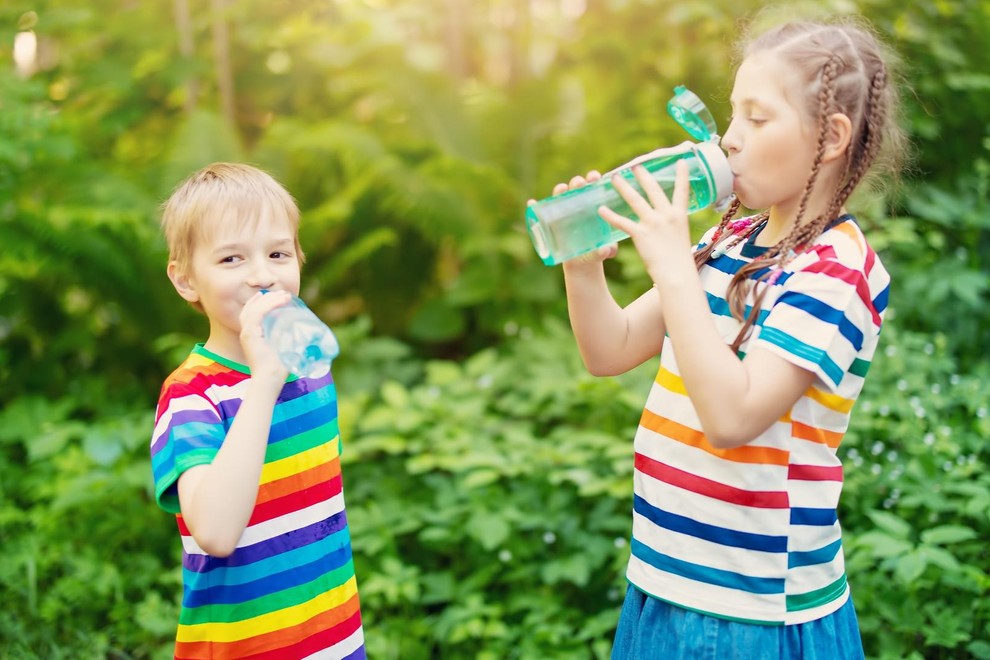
(266,623)
(672,382)
(290,465)
(831,401)
(668,380)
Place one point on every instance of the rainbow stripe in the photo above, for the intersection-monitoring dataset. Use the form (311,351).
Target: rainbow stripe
(289,589)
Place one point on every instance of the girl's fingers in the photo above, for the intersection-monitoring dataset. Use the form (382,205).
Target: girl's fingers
(619,222)
(656,195)
(682,187)
(641,207)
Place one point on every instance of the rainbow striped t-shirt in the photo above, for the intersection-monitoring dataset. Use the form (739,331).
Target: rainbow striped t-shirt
(288,590)
(751,533)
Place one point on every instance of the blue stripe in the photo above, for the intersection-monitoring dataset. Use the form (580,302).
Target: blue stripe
(815,517)
(711,533)
(296,538)
(826,313)
(243,574)
(706,574)
(803,351)
(720,307)
(293,576)
(814,557)
(880,302)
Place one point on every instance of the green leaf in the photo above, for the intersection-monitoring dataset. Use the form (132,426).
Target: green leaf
(893,525)
(947,534)
(489,529)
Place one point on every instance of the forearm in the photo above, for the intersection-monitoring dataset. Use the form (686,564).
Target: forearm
(715,379)
(611,339)
(218,504)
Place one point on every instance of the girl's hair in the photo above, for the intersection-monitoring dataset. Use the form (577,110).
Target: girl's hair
(218,194)
(845,69)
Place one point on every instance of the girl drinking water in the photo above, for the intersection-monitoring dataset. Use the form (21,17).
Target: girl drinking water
(765,331)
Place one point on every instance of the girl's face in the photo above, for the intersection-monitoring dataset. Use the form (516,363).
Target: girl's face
(770,143)
(232,263)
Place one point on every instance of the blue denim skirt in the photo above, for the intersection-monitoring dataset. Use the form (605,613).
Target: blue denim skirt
(650,628)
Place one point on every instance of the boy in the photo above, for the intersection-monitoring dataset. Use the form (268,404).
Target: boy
(244,455)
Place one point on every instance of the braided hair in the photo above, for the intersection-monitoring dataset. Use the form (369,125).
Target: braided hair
(845,70)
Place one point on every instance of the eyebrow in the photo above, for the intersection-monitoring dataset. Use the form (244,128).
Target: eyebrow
(227,247)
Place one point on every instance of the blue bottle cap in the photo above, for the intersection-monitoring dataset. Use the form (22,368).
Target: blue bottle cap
(692,115)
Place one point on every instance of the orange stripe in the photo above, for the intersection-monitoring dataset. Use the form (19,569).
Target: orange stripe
(322,473)
(272,641)
(850,230)
(812,434)
(692,438)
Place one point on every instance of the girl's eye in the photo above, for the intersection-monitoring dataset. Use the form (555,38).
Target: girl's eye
(278,255)
(228,260)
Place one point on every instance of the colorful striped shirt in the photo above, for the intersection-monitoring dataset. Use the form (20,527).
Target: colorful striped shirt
(288,590)
(751,533)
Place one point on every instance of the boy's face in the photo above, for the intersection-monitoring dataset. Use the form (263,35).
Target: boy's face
(231,264)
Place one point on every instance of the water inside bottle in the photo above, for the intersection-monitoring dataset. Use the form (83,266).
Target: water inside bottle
(571,226)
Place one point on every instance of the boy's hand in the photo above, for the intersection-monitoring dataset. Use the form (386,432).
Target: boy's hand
(262,360)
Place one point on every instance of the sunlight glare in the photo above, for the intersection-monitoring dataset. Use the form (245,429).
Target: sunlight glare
(26,53)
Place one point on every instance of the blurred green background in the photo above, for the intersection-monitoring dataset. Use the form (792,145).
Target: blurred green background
(488,477)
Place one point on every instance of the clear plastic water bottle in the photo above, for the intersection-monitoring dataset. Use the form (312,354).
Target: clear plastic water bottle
(567,225)
(302,341)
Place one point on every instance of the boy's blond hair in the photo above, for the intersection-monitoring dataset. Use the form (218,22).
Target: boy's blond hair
(221,193)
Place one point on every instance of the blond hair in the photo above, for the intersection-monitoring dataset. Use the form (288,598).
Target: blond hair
(218,194)
(845,69)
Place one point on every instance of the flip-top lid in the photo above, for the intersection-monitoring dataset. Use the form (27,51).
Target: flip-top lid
(692,115)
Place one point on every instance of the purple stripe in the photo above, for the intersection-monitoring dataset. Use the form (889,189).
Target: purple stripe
(269,547)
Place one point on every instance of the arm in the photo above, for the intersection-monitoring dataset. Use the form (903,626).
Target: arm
(217,500)
(735,400)
(611,339)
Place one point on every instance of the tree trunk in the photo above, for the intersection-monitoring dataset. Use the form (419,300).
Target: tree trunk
(183,25)
(221,50)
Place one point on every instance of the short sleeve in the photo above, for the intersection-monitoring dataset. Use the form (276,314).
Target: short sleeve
(822,319)
(188,432)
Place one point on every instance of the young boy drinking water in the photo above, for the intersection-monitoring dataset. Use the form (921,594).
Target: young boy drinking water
(246,456)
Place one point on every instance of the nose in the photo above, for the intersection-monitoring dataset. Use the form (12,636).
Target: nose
(260,275)
(730,141)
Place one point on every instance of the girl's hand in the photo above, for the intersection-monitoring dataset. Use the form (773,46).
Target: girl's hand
(605,251)
(662,235)
(262,360)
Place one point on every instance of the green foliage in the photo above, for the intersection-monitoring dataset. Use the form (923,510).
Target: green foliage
(487,475)
(490,505)
(916,502)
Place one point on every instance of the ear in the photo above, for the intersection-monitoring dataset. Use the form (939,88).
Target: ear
(182,283)
(837,136)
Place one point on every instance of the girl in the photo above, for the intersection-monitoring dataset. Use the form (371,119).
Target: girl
(765,332)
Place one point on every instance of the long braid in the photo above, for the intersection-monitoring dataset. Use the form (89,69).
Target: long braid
(702,255)
(845,71)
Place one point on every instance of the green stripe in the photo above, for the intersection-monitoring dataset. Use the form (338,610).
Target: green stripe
(817,597)
(859,368)
(758,622)
(297,444)
(232,613)
(169,501)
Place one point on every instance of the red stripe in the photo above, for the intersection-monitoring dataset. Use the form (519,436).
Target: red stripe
(331,627)
(708,488)
(295,501)
(851,277)
(281,506)
(322,640)
(814,473)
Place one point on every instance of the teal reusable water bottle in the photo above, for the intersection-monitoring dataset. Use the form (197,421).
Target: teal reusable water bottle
(302,341)
(568,225)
